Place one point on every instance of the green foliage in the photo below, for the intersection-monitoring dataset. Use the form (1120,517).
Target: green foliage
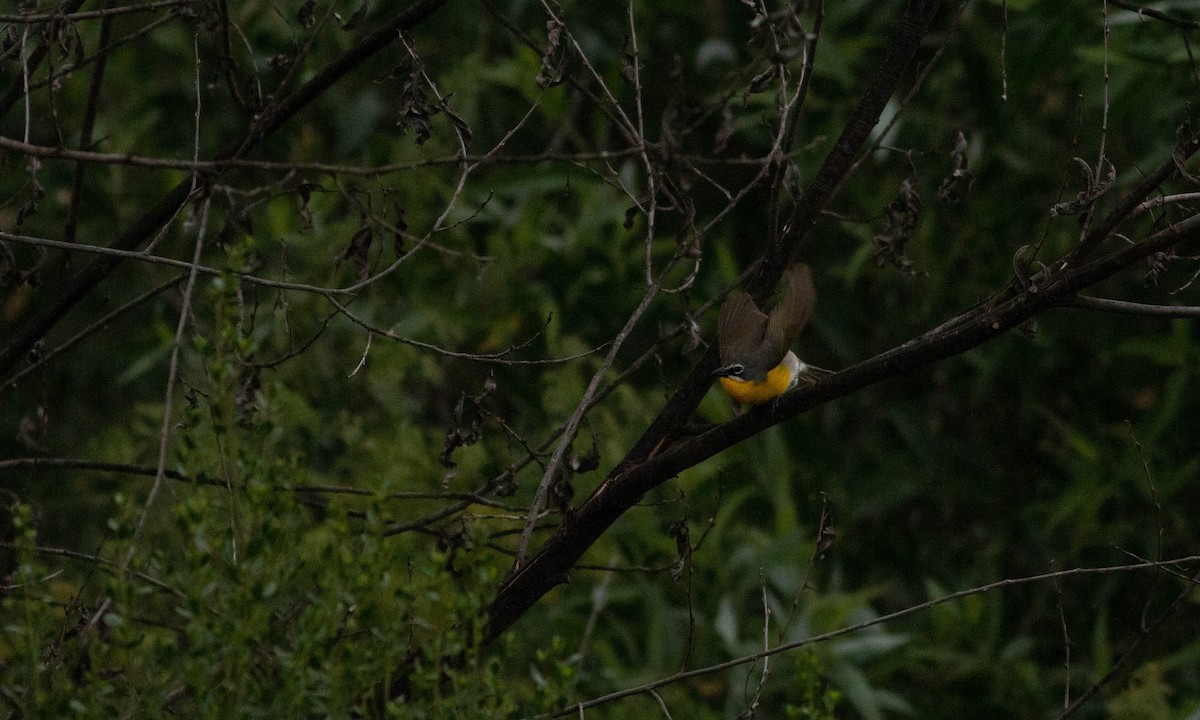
(816,700)
(290,604)
(302,619)
(31,617)
(1145,698)
(343,496)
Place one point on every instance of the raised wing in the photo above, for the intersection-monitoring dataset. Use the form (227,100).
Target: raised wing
(740,327)
(790,316)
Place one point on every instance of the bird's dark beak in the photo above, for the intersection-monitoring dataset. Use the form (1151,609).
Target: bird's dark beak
(721,372)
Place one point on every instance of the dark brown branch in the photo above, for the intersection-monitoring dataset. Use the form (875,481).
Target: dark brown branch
(903,45)
(914,23)
(72,16)
(630,479)
(85,132)
(627,484)
(163,163)
(624,487)
(1145,12)
(97,466)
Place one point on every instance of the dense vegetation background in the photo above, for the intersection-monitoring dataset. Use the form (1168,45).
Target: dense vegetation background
(277,451)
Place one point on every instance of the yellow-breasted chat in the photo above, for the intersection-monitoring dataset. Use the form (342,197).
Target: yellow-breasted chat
(757,363)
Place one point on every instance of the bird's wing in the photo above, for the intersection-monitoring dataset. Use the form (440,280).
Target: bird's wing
(740,327)
(790,316)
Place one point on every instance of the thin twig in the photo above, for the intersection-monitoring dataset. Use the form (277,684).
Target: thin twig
(637,137)
(655,460)
(142,256)
(662,705)
(752,708)
(1004,51)
(882,619)
(88,331)
(98,561)
(1130,654)
(572,427)
(95,14)
(184,312)
(1145,12)
(1163,200)
(499,358)
(1066,637)
(599,601)
(491,157)
(151,471)
(169,393)
(85,133)
(466,168)
(1086,302)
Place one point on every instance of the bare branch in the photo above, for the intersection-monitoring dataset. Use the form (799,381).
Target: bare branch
(493,156)
(172,374)
(95,14)
(881,620)
(1147,12)
(568,434)
(111,252)
(100,562)
(24,337)
(1086,302)
(499,358)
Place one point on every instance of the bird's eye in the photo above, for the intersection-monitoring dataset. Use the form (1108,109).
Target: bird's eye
(736,370)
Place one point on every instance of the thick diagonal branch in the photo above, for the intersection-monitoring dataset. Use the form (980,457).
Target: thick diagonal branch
(618,492)
(628,484)
(912,26)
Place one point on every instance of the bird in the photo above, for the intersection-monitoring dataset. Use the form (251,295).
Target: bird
(757,363)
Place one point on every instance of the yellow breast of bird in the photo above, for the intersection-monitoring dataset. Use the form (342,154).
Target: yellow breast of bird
(756,392)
